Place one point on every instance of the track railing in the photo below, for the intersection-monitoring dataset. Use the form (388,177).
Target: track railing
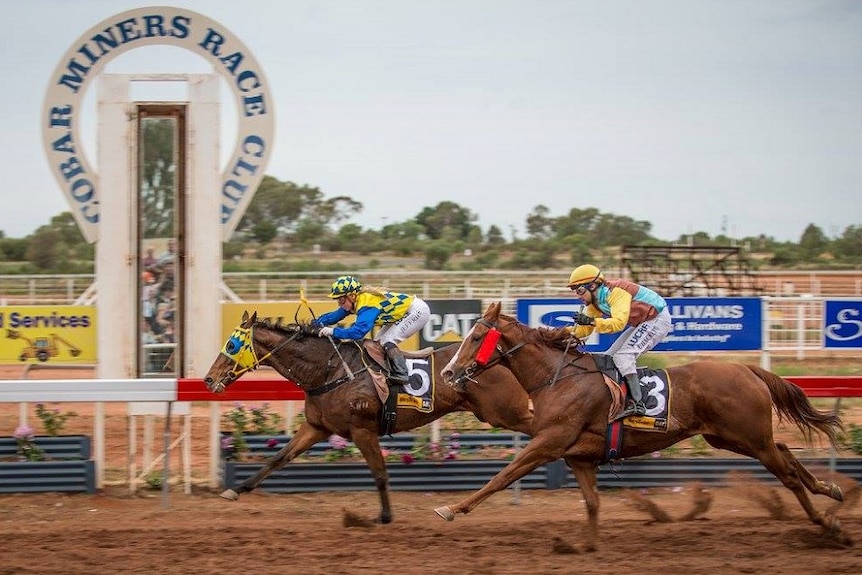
(275,389)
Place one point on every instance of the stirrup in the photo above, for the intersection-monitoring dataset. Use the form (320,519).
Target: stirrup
(632,408)
(398,379)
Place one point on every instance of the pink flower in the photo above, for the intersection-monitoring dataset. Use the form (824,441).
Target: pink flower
(338,442)
(271,442)
(407,458)
(23,432)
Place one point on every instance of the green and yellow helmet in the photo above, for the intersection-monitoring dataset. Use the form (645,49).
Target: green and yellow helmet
(585,274)
(344,285)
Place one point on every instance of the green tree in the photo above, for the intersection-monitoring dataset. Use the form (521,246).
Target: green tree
(813,242)
(264,232)
(495,236)
(13,249)
(576,222)
(45,249)
(437,254)
(446,219)
(540,226)
(849,246)
(157,173)
(286,205)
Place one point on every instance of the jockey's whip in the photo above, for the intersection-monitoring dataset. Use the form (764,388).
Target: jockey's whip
(329,337)
(303,302)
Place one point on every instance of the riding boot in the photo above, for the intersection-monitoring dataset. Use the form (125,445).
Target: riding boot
(635,405)
(397,364)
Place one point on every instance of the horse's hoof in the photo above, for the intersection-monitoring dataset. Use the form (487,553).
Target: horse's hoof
(445,513)
(229,494)
(836,493)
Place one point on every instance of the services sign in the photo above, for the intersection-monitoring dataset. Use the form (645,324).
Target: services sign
(50,335)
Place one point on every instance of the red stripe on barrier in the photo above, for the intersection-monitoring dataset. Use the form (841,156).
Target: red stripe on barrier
(284,390)
(242,390)
(828,385)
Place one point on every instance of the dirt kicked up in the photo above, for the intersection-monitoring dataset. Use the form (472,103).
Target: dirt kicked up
(748,528)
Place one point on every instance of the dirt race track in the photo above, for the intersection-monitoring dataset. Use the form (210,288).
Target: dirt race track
(111,532)
(309,534)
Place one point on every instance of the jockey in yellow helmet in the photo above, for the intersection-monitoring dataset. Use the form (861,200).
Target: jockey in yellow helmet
(616,305)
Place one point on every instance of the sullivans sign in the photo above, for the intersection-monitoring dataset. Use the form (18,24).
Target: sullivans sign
(160,25)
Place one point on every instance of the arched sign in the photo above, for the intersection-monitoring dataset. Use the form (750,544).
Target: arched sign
(160,25)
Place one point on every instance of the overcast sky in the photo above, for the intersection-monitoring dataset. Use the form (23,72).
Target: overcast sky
(741,117)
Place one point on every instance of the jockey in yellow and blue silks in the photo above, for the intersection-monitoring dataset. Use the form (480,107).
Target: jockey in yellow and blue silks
(400,316)
(616,305)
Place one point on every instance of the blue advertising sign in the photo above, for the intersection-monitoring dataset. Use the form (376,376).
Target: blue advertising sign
(714,324)
(842,324)
(699,324)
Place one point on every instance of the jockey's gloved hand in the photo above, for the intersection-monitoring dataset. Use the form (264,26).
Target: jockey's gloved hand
(584,319)
(325,331)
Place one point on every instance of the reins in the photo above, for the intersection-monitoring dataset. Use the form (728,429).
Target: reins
(505,355)
(245,337)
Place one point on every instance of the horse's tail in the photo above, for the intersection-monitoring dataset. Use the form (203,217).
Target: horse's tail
(791,402)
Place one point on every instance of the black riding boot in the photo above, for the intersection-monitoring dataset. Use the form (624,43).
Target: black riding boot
(397,364)
(635,406)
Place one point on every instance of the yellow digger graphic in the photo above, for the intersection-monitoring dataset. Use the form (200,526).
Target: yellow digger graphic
(42,348)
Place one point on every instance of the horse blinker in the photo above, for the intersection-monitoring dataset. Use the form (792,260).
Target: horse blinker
(487,347)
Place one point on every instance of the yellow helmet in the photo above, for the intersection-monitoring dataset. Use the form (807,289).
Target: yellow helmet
(344,285)
(585,274)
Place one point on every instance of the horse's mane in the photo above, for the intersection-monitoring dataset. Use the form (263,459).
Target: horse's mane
(557,338)
(286,329)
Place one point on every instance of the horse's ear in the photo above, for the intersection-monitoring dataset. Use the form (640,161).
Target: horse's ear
(254,317)
(244,316)
(493,310)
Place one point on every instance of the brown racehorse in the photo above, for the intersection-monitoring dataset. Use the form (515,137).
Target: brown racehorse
(730,404)
(350,407)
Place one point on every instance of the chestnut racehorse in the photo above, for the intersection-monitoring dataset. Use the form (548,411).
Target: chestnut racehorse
(337,403)
(730,404)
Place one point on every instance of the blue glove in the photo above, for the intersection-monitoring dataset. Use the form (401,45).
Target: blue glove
(584,319)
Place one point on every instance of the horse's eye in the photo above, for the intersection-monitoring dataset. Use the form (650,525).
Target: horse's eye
(233,345)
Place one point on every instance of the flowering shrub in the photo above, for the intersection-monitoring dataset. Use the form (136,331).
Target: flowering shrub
(341,448)
(53,420)
(254,420)
(243,420)
(27,450)
(424,448)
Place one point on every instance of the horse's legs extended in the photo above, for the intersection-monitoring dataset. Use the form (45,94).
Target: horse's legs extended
(585,475)
(814,485)
(302,440)
(783,464)
(537,452)
(369,444)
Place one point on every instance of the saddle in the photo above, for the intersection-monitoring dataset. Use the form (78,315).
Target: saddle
(373,352)
(378,366)
(614,380)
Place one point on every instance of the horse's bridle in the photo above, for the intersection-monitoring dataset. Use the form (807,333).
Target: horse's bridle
(475,368)
(239,348)
(478,367)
